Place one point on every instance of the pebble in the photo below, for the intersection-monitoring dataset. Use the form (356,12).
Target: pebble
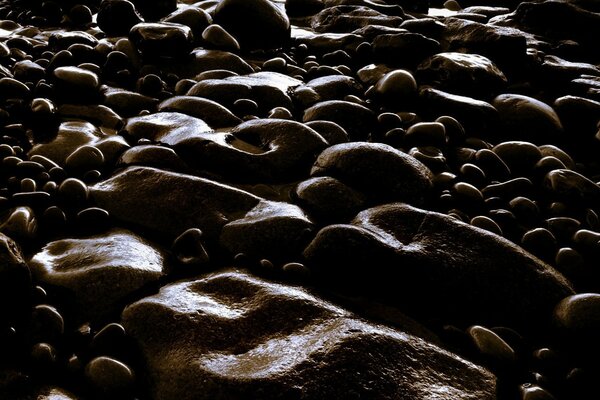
(47,324)
(541,242)
(489,344)
(218,37)
(110,376)
(110,338)
(534,392)
(73,192)
(492,165)
(483,222)
(77,79)
(397,88)
(579,313)
(165,39)
(189,248)
(21,223)
(85,158)
(572,186)
(43,357)
(519,156)
(426,134)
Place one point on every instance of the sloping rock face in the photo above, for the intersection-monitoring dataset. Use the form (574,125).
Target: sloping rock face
(231,336)
(99,271)
(438,268)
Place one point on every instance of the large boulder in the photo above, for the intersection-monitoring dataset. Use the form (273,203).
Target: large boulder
(436,268)
(100,272)
(254,23)
(232,336)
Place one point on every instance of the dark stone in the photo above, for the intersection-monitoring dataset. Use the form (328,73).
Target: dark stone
(423,253)
(254,23)
(379,171)
(356,119)
(405,49)
(117,17)
(213,113)
(282,343)
(165,39)
(153,10)
(347,18)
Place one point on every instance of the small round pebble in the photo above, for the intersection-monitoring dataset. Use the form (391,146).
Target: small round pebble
(109,375)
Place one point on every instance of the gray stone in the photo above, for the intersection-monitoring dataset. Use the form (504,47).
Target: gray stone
(229,335)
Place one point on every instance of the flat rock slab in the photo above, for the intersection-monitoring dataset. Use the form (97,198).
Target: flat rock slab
(433,266)
(100,271)
(232,336)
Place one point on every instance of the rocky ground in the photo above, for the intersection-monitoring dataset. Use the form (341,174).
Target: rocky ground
(302,199)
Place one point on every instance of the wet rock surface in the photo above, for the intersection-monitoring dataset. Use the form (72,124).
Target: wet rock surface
(279,193)
(305,348)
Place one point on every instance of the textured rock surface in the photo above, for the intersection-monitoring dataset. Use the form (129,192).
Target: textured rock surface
(229,335)
(460,274)
(101,271)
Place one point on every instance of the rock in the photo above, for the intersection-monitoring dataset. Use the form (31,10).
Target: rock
(396,88)
(277,231)
(77,83)
(507,47)
(160,157)
(15,284)
(578,115)
(423,254)
(463,74)
(201,203)
(165,127)
(202,60)
(519,156)
(165,39)
(329,199)
(254,23)
(100,272)
(330,131)
(85,158)
(489,344)
(379,171)
(477,117)
(572,186)
(20,223)
(404,49)
(555,20)
(282,343)
(335,87)
(213,113)
(260,150)
(528,119)
(195,18)
(188,248)
(578,313)
(347,18)
(218,37)
(110,376)
(356,119)
(127,103)
(71,135)
(117,17)
(154,10)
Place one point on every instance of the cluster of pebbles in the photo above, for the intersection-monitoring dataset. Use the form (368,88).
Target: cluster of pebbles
(301,199)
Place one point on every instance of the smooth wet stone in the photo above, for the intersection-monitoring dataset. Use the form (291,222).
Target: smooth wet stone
(161,157)
(166,127)
(127,103)
(259,150)
(490,345)
(20,223)
(397,88)
(218,37)
(254,23)
(431,255)
(334,87)
(153,10)
(379,171)
(283,343)
(579,313)
(101,271)
(71,135)
(98,114)
(404,49)
(77,83)
(15,283)
(195,17)
(165,39)
(188,248)
(519,156)
(528,119)
(462,74)
(578,115)
(110,376)
(47,324)
(85,158)
(329,199)
(504,46)
(269,222)
(556,20)
(572,186)
(215,204)
(213,113)
(347,18)
(356,119)
(332,132)
(117,17)
(426,134)
(477,117)
(202,60)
